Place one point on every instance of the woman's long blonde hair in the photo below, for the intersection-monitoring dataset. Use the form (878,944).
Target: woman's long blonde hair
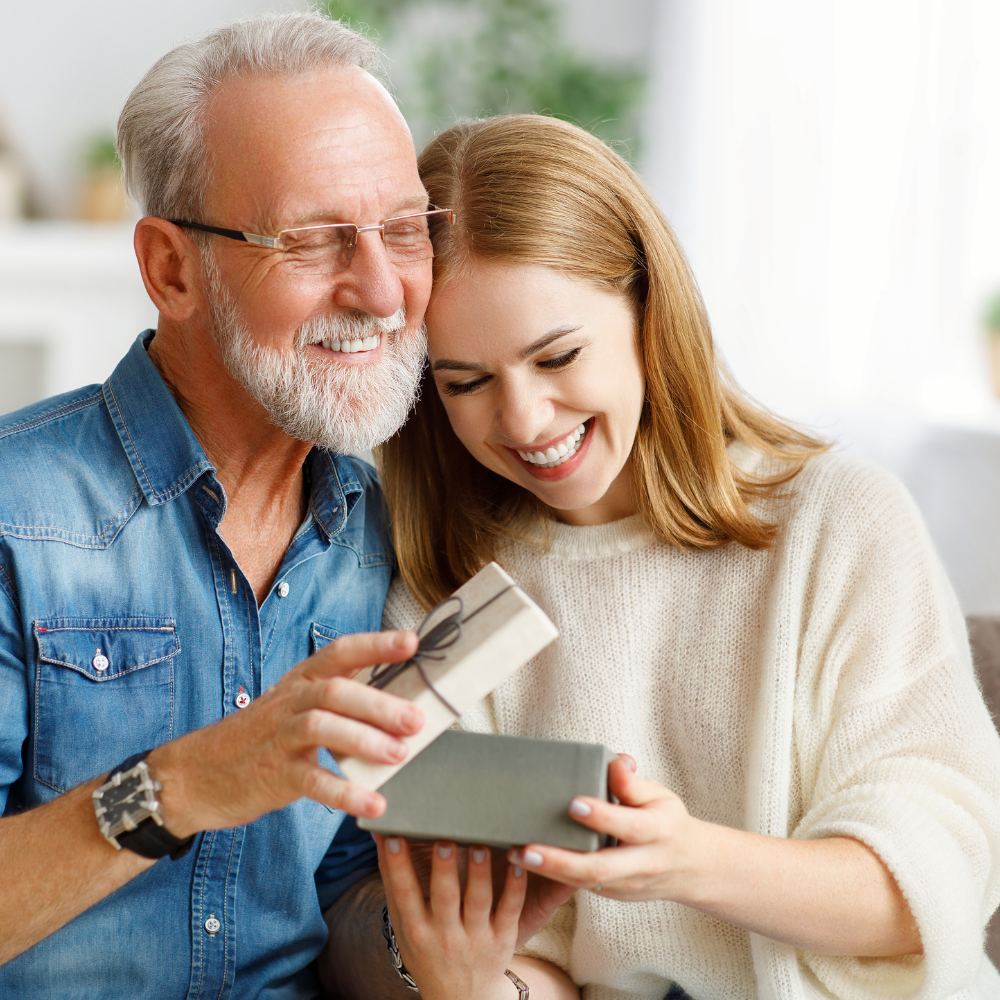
(528,189)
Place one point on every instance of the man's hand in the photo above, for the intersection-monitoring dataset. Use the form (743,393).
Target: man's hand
(264,757)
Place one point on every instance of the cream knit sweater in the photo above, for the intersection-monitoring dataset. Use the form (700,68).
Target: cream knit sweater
(821,688)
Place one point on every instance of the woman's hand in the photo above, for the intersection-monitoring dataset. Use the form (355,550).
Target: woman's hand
(454,949)
(657,842)
(832,896)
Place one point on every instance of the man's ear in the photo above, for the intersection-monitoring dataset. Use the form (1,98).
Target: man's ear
(171,268)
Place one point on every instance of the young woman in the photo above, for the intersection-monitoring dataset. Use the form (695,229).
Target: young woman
(762,625)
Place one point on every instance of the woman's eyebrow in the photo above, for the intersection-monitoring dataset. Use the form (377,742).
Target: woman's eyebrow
(457,366)
(552,335)
(476,366)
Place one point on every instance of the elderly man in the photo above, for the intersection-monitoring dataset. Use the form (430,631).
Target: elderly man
(174,542)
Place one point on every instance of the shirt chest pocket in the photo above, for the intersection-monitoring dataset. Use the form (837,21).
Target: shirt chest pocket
(321,635)
(103,691)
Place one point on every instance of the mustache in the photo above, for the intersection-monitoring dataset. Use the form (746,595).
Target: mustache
(349,326)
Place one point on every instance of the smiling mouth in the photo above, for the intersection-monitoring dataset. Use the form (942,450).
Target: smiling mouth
(558,453)
(353,346)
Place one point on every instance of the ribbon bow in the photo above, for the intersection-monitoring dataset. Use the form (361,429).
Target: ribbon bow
(446,633)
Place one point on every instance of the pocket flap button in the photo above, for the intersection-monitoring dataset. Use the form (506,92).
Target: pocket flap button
(100,662)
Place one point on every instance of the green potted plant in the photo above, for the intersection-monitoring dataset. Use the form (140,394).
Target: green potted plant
(103,195)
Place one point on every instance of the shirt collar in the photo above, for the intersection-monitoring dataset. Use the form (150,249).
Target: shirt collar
(165,454)
(335,489)
(161,447)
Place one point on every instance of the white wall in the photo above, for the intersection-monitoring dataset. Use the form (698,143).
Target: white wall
(834,173)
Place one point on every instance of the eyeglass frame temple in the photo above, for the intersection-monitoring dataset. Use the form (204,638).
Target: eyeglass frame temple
(274,242)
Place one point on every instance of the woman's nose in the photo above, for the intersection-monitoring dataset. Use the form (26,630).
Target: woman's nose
(524,416)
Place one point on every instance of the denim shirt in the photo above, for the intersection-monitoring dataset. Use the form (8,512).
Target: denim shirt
(126,622)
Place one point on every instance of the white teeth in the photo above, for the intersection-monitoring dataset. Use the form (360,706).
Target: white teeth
(557,454)
(352,346)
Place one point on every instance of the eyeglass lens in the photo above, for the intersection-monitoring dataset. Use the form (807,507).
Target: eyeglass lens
(329,249)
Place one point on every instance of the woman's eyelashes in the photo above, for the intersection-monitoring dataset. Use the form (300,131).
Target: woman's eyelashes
(464,388)
(549,364)
(560,361)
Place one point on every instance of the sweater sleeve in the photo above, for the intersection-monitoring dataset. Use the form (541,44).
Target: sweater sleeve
(894,745)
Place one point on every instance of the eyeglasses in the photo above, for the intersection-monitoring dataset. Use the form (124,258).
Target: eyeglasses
(408,239)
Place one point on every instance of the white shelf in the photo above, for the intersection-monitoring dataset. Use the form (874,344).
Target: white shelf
(70,296)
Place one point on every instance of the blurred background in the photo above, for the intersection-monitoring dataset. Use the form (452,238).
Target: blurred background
(833,171)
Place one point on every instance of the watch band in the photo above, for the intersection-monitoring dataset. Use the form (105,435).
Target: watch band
(149,838)
(152,841)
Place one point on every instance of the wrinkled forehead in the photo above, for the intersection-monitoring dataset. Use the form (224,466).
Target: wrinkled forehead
(327,147)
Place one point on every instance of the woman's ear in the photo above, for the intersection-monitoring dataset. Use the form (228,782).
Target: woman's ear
(170,265)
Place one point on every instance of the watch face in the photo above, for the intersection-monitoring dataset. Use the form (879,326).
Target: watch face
(126,800)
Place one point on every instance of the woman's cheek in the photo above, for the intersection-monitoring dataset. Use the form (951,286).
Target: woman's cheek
(467,424)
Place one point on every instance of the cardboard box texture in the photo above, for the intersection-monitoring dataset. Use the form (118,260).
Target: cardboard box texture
(498,791)
(501,629)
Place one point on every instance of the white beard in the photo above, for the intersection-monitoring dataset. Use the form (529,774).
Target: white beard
(344,408)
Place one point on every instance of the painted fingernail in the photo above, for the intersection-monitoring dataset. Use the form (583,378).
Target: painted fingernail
(533,859)
(518,872)
(393,845)
(514,857)
(444,851)
(478,855)
(579,808)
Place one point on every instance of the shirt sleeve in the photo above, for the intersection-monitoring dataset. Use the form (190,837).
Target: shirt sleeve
(352,855)
(13,690)
(895,747)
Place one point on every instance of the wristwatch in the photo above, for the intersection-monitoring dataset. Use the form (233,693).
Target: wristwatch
(128,812)
(397,961)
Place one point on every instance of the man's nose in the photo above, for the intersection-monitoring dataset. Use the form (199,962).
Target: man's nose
(371,284)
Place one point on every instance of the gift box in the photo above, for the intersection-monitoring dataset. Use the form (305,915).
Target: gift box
(498,791)
(469,644)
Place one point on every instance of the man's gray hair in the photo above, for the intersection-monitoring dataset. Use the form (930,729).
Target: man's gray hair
(161,128)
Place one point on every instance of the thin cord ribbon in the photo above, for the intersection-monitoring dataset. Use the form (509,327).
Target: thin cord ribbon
(442,636)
